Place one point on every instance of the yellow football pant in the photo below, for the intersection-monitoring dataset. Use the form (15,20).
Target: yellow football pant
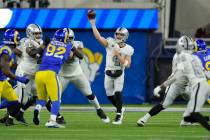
(208,100)
(48,85)
(7,92)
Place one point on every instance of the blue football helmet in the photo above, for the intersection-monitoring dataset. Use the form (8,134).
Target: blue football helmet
(200,45)
(61,35)
(11,36)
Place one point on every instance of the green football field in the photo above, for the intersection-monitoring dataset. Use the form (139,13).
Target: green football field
(87,126)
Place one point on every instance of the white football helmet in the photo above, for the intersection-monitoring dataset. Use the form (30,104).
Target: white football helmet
(33,29)
(71,34)
(184,43)
(124,34)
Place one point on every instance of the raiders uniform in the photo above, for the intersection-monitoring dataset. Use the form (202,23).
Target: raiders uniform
(191,67)
(27,66)
(177,88)
(114,77)
(72,73)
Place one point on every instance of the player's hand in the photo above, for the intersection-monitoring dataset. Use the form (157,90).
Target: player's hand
(156,91)
(92,21)
(91,14)
(22,79)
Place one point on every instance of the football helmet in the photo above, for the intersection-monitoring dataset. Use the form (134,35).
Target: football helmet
(71,34)
(123,32)
(184,43)
(32,32)
(11,36)
(200,45)
(61,35)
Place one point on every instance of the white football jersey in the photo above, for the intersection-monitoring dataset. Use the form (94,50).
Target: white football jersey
(73,68)
(191,67)
(28,64)
(181,80)
(112,62)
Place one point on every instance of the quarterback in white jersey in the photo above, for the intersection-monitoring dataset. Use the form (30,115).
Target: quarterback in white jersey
(118,58)
(71,72)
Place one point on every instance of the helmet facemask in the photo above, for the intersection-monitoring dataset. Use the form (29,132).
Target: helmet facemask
(121,35)
(185,43)
(34,32)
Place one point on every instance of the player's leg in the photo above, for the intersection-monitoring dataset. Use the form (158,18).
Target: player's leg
(170,95)
(197,99)
(27,96)
(60,119)
(118,87)
(54,90)
(83,85)
(41,95)
(109,87)
(13,105)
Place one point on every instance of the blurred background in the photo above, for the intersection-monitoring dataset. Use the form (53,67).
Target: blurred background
(154,26)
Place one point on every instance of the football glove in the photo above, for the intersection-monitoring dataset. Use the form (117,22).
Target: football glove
(156,91)
(22,79)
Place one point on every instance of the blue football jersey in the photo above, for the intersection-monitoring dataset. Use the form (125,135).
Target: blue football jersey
(6,50)
(205,58)
(54,55)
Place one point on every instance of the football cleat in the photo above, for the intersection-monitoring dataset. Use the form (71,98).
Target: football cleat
(9,122)
(103,116)
(140,122)
(53,124)
(60,120)
(3,120)
(119,117)
(36,117)
(184,123)
(19,117)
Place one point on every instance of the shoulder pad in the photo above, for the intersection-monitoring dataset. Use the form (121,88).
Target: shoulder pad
(130,50)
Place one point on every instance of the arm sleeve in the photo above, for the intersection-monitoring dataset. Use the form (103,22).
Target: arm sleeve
(177,73)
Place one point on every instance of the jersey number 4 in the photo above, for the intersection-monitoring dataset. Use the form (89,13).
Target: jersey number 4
(55,52)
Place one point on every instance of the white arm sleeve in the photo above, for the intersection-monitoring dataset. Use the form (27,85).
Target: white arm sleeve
(177,73)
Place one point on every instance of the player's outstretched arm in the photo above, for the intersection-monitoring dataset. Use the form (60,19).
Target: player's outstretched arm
(96,33)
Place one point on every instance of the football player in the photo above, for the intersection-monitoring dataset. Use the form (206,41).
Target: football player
(11,40)
(190,67)
(174,90)
(47,83)
(118,58)
(29,53)
(179,87)
(71,72)
(204,55)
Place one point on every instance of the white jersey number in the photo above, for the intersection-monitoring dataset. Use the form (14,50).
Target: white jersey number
(116,60)
(197,69)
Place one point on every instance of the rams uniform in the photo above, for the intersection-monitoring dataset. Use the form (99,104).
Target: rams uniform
(205,59)
(47,77)
(6,90)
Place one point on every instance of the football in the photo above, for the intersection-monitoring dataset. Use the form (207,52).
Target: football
(91,14)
